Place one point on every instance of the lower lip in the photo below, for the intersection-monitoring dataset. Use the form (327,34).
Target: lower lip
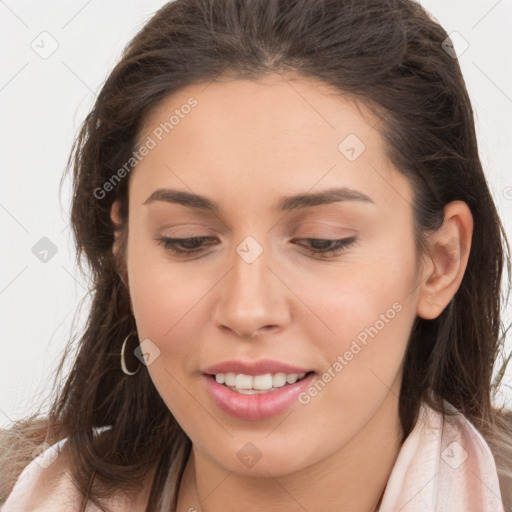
(258,406)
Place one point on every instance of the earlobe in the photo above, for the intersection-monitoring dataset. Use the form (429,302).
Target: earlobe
(114,213)
(446,260)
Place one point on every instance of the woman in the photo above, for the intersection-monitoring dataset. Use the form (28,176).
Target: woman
(296,262)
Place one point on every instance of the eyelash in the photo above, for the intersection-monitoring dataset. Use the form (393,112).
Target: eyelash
(171,244)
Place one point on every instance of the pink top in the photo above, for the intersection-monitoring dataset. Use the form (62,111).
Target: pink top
(441,467)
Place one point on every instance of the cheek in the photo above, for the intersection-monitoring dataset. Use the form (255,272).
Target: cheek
(363,292)
(370,309)
(168,304)
(372,319)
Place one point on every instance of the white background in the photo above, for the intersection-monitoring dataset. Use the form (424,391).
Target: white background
(43,101)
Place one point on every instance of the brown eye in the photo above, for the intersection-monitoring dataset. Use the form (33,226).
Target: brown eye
(184,245)
(328,247)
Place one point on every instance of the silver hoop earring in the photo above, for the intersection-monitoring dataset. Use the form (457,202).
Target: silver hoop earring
(123,363)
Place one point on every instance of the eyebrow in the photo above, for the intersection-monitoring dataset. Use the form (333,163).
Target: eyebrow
(289,203)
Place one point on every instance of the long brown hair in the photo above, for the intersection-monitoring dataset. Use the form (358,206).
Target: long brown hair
(389,53)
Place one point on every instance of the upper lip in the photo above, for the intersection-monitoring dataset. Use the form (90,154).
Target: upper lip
(254,368)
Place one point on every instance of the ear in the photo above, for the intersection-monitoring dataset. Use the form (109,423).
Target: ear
(114,215)
(446,260)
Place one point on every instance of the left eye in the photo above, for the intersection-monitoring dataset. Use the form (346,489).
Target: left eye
(327,247)
(196,244)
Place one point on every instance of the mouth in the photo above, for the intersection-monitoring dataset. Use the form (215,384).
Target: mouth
(256,391)
(257,384)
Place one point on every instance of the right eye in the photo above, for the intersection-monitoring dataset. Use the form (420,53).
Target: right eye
(191,245)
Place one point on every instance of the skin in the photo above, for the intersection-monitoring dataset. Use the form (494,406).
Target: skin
(246,145)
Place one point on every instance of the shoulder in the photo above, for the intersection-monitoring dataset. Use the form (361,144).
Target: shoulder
(444,463)
(45,485)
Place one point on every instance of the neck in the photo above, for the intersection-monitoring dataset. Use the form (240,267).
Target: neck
(353,478)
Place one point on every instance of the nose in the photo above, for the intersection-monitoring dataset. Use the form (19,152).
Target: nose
(252,299)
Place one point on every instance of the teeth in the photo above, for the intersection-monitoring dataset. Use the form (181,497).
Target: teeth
(230,379)
(262,381)
(292,378)
(279,380)
(248,384)
(243,381)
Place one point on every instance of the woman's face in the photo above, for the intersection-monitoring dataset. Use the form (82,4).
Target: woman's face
(276,163)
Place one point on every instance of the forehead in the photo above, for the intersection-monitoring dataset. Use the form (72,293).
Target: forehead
(279,132)
(296,107)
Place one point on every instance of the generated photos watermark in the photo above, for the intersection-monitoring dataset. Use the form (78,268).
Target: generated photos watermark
(357,345)
(144,149)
